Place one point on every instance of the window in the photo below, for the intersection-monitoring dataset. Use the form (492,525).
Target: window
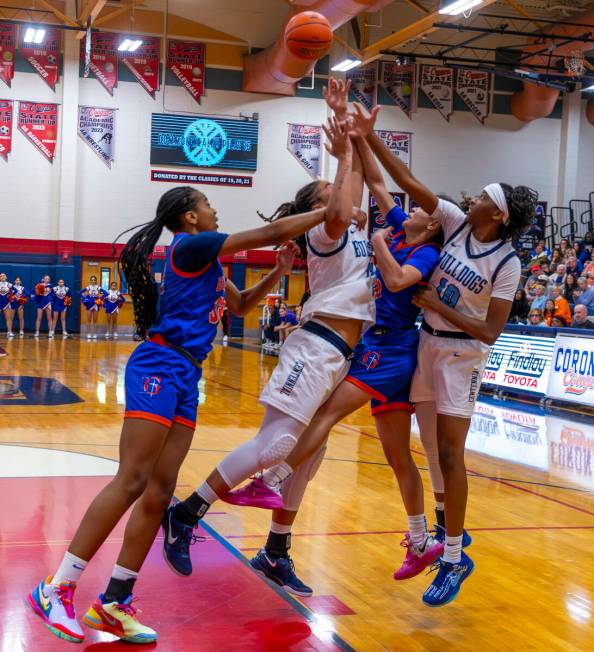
(105,272)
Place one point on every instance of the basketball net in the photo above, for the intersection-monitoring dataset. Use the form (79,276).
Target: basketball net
(574,63)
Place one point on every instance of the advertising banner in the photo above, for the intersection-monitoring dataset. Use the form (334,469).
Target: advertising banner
(204,141)
(364,84)
(8,32)
(43,57)
(437,82)
(571,450)
(143,63)
(520,362)
(39,123)
(400,84)
(572,370)
(304,142)
(167,176)
(186,60)
(96,126)
(5,128)
(474,87)
(103,58)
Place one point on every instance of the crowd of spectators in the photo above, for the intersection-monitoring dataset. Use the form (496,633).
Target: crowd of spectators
(557,287)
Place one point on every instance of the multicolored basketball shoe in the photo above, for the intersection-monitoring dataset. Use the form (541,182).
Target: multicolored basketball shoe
(281,570)
(446,586)
(53,603)
(118,619)
(255,494)
(440,535)
(418,556)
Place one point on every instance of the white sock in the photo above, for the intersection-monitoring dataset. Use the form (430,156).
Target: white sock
(70,569)
(274,476)
(206,493)
(453,549)
(440,506)
(417,526)
(121,573)
(279,528)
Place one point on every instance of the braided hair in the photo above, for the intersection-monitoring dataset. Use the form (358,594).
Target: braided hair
(521,202)
(135,257)
(304,202)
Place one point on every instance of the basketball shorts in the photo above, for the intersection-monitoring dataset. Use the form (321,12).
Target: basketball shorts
(449,372)
(383,366)
(309,369)
(161,386)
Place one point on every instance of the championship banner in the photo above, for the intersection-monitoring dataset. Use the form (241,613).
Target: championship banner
(304,142)
(104,58)
(96,126)
(364,84)
(572,370)
(7,45)
(474,87)
(144,63)
(377,219)
(437,83)
(399,143)
(186,60)
(43,57)
(5,128)
(399,83)
(39,123)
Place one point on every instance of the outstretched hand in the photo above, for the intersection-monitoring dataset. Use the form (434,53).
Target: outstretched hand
(336,95)
(337,143)
(386,235)
(361,123)
(360,217)
(286,256)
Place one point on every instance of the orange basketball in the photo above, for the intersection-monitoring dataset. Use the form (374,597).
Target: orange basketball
(308,35)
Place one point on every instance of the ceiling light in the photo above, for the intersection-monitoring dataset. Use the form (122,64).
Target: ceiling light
(459,7)
(134,46)
(346,64)
(128,45)
(33,35)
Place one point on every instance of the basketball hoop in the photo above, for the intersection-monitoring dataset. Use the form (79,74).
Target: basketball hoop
(574,63)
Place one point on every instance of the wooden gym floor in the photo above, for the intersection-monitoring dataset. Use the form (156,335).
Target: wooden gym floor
(531,515)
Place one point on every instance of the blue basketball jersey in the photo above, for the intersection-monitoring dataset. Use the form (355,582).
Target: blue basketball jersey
(395,310)
(192,303)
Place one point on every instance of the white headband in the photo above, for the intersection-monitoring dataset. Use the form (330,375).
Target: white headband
(495,192)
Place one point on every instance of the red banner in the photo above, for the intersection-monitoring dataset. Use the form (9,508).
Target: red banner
(44,57)
(185,59)
(144,63)
(104,58)
(39,123)
(5,128)
(7,45)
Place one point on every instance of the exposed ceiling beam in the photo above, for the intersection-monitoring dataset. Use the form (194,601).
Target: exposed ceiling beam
(90,9)
(518,7)
(111,15)
(586,37)
(63,18)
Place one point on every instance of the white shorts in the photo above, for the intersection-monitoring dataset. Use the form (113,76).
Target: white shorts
(449,372)
(308,371)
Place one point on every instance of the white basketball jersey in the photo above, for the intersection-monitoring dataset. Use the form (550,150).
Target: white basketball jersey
(470,272)
(340,275)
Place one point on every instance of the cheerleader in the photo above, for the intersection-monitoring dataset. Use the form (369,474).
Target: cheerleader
(43,298)
(6,303)
(61,300)
(113,300)
(92,298)
(20,296)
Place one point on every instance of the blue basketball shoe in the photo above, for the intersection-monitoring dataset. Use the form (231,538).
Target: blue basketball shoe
(177,539)
(281,570)
(440,535)
(446,585)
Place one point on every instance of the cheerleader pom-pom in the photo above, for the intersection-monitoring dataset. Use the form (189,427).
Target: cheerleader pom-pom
(67,301)
(40,289)
(98,302)
(22,301)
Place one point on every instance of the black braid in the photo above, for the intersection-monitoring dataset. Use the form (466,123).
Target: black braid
(521,202)
(304,201)
(136,255)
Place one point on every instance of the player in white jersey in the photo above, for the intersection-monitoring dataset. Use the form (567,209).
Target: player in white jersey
(467,304)
(313,360)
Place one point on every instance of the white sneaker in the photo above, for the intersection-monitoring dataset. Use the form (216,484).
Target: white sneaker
(10,335)
(225,339)
(106,336)
(36,334)
(94,336)
(50,335)
(54,604)
(115,336)
(65,335)
(21,333)
(88,336)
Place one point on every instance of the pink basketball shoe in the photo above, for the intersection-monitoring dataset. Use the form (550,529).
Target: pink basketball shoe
(418,557)
(255,494)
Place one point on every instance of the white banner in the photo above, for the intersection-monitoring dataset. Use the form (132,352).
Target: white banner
(364,84)
(520,362)
(571,450)
(572,370)
(96,126)
(474,86)
(437,82)
(399,83)
(399,143)
(304,142)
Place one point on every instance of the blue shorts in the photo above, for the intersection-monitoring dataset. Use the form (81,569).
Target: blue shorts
(383,365)
(161,386)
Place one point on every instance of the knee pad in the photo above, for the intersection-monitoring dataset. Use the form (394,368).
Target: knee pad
(276,451)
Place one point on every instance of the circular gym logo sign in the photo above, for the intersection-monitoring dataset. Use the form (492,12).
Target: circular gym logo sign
(205,143)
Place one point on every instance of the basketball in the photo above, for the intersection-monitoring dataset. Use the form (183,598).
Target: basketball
(308,35)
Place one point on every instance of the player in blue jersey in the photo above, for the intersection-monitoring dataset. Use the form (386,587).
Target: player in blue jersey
(161,382)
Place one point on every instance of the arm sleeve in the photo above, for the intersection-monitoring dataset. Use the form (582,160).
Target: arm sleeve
(507,281)
(449,216)
(195,252)
(425,260)
(81,293)
(394,218)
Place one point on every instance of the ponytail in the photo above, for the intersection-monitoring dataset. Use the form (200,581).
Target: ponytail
(521,202)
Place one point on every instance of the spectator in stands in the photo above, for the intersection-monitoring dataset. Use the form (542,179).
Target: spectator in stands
(549,311)
(586,247)
(287,319)
(569,288)
(546,268)
(536,318)
(573,266)
(580,317)
(564,247)
(538,255)
(270,332)
(532,281)
(587,299)
(540,299)
(520,308)
(558,278)
(558,322)
(540,246)
(556,258)
(589,265)
(562,308)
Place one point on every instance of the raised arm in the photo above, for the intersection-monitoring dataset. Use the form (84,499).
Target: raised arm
(396,277)
(373,176)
